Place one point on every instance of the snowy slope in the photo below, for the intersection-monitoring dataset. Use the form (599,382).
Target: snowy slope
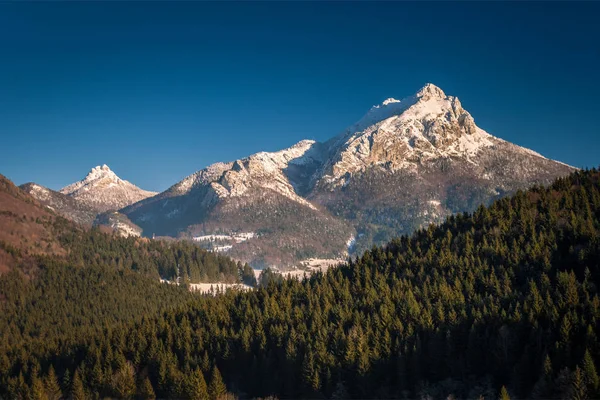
(271,171)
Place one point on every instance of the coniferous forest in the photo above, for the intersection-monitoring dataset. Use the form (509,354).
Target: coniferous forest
(503,303)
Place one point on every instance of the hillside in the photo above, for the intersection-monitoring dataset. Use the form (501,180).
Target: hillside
(62,204)
(59,280)
(503,301)
(27,228)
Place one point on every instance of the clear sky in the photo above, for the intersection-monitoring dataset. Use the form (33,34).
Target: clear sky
(160,90)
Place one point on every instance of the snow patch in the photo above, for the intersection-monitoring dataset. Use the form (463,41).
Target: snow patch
(218,287)
(236,237)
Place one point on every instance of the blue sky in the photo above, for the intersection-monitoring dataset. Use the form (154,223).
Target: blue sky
(160,90)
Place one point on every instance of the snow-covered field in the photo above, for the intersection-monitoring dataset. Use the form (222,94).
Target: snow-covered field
(214,287)
(220,249)
(310,266)
(210,238)
(238,237)
(307,267)
(232,238)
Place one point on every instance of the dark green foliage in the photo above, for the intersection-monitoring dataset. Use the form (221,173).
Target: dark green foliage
(268,277)
(146,392)
(168,260)
(77,389)
(195,386)
(248,276)
(589,374)
(500,303)
(123,382)
(216,388)
(51,385)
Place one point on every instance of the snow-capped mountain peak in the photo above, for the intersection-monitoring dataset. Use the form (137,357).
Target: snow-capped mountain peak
(403,133)
(430,90)
(101,172)
(104,190)
(392,107)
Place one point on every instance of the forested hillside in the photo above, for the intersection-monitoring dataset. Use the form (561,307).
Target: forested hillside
(29,230)
(501,302)
(60,282)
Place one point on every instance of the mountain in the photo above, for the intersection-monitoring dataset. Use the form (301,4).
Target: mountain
(408,163)
(93,200)
(103,190)
(62,204)
(259,199)
(405,164)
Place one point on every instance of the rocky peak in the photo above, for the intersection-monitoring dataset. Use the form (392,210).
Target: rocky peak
(104,190)
(430,91)
(401,134)
(99,172)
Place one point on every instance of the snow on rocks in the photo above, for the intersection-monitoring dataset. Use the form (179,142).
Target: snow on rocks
(264,170)
(397,133)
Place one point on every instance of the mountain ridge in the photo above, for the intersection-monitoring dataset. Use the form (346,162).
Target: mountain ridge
(412,161)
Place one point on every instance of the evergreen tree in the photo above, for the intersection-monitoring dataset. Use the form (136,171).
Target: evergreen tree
(51,384)
(578,385)
(195,386)
(504,394)
(145,390)
(66,382)
(123,382)
(38,391)
(77,389)
(216,388)
(589,373)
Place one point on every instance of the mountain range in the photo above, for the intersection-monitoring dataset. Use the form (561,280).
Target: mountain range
(407,163)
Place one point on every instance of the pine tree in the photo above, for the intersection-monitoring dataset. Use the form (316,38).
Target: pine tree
(77,389)
(195,386)
(216,388)
(123,382)
(504,394)
(205,363)
(66,382)
(52,387)
(145,390)
(578,387)
(38,391)
(589,373)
